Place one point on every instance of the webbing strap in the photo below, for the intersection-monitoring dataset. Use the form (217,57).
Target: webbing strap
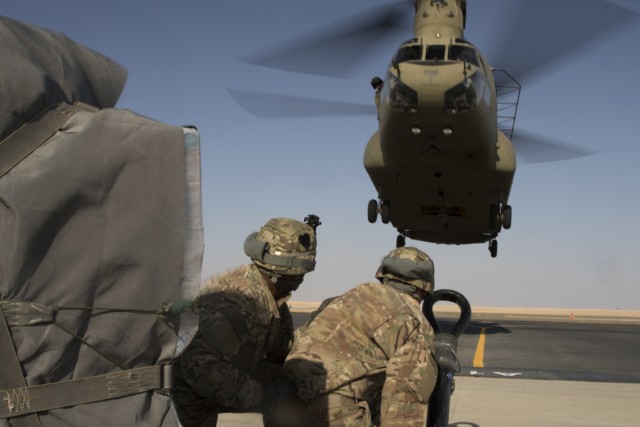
(288,261)
(11,373)
(28,400)
(17,146)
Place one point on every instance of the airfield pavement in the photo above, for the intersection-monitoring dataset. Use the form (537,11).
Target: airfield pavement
(507,402)
(513,402)
(525,313)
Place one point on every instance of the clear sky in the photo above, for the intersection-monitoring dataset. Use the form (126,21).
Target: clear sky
(575,234)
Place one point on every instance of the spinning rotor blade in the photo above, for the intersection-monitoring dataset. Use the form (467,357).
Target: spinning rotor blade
(534,37)
(536,148)
(272,106)
(335,50)
(543,33)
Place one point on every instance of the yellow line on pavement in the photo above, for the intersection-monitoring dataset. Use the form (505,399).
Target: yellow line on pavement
(478,359)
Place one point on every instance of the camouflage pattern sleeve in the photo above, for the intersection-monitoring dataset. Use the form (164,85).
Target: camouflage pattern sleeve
(314,314)
(271,367)
(410,374)
(284,339)
(206,363)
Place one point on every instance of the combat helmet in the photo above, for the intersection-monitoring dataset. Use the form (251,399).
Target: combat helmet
(409,266)
(284,246)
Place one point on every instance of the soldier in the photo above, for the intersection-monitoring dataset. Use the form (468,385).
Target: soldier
(376,84)
(245,328)
(366,357)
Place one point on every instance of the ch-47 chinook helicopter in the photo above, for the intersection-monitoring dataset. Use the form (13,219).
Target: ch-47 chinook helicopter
(440,164)
(442,160)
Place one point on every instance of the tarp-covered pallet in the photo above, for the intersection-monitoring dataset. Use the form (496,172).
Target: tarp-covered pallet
(100,227)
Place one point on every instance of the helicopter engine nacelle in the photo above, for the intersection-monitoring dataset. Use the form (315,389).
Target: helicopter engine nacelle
(439,18)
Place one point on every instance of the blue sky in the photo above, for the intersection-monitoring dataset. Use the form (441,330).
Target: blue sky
(575,231)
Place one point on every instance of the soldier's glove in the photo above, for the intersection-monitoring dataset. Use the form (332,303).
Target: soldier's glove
(446,347)
(277,390)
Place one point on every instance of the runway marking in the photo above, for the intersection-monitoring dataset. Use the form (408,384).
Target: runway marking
(508,374)
(478,359)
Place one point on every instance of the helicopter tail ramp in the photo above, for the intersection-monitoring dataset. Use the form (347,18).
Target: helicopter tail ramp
(100,231)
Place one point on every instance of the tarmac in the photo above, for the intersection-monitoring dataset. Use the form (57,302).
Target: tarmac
(446,309)
(506,402)
(511,402)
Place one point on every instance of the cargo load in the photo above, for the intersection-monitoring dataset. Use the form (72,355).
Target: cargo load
(101,240)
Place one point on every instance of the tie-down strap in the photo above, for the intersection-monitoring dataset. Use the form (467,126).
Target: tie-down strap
(18,399)
(26,139)
(27,400)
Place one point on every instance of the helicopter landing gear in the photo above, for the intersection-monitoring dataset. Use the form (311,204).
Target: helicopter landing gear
(494,211)
(400,241)
(506,217)
(500,216)
(372,211)
(374,208)
(385,212)
(493,248)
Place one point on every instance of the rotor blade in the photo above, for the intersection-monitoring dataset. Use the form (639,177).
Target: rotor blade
(536,148)
(335,50)
(272,106)
(547,32)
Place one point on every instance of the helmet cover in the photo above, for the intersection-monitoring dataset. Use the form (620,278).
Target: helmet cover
(286,246)
(408,265)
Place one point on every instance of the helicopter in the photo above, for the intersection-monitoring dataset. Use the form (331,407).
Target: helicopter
(442,160)
(442,168)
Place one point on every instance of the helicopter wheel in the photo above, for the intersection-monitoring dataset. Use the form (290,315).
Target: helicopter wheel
(385,212)
(506,217)
(400,241)
(372,211)
(494,211)
(493,248)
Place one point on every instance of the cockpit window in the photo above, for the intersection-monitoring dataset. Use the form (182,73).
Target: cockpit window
(408,53)
(464,54)
(435,52)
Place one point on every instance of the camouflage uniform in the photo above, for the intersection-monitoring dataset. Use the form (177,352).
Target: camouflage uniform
(243,337)
(244,334)
(377,84)
(367,357)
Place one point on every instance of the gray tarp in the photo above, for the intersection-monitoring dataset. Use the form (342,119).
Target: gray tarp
(40,68)
(106,213)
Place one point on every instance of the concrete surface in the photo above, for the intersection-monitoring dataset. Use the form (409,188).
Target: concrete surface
(493,402)
(510,402)
(523,313)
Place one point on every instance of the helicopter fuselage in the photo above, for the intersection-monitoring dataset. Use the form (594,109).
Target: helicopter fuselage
(441,167)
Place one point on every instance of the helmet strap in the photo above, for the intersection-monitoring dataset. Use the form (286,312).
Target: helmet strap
(259,251)
(403,287)
(273,276)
